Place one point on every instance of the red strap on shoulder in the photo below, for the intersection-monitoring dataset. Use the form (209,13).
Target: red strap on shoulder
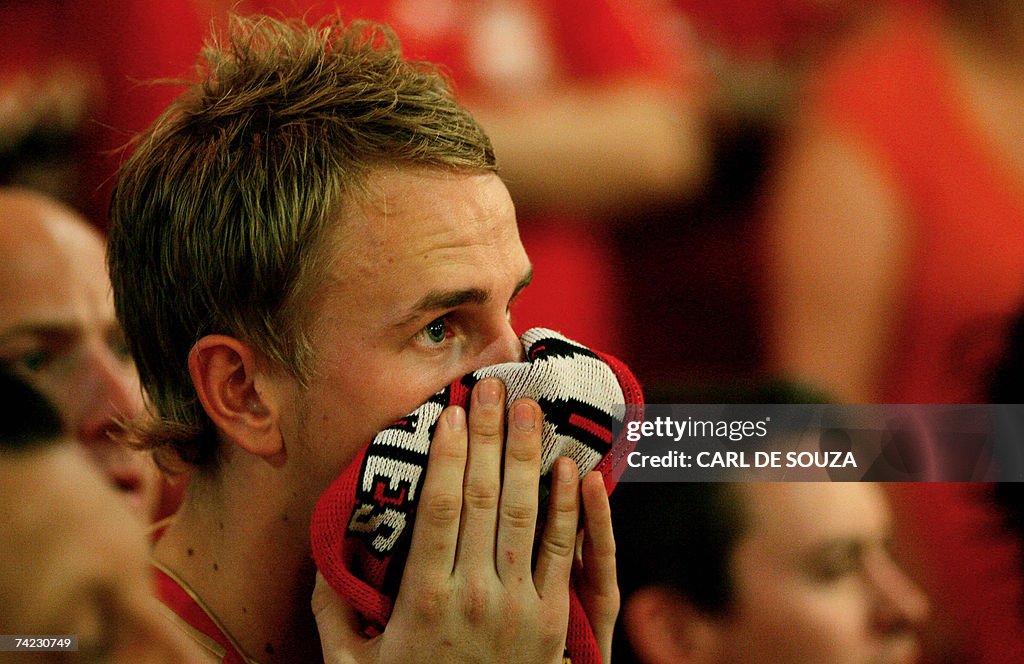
(178,600)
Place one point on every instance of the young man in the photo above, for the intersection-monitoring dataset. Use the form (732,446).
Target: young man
(308,243)
(773,573)
(58,333)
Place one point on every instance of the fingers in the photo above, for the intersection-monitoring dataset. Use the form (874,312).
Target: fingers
(599,540)
(518,509)
(468,592)
(482,487)
(435,537)
(597,584)
(337,623)
(558,542)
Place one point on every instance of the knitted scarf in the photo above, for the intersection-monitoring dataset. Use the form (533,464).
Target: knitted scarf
(362,525)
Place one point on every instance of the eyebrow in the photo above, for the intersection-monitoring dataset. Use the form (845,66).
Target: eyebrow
(439,300)
(42,329)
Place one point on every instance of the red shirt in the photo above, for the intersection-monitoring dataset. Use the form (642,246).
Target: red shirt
(894,92)
(184,610)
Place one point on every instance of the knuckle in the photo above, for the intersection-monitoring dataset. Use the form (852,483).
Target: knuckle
(480,497)
(447,449)
(442,509)
(484,430)
(614,601)
(524,450)
(566,505)
(476,601)
(518,515)
(559,545)
(606,602)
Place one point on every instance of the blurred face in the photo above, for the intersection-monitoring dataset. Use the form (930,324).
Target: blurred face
(74,561)
(58,332)
(815,582)
(429,267)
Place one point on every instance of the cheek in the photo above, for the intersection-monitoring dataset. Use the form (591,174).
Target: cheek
(390,394)
(24,615)
(394,385)
(360,389)
(337,417)
(59,386)
(792,624)
(327,426)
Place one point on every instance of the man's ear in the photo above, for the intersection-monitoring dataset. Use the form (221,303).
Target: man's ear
(664,628)
(236,395)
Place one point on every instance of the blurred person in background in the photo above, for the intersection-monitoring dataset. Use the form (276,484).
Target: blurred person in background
(73,559)
(897,214)
(896,257)
(758,52)
(76,83)
(761,573)
(697,265)
(58,332)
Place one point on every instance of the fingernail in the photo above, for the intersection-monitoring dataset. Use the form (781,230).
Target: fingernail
(489,392)
(524,417)
(564,470)
(456,417)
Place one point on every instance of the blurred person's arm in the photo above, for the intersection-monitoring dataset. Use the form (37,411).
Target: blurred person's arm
(837,253)
(616,121)
(600,149)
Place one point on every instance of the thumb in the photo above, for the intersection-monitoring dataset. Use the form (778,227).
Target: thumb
(338,623)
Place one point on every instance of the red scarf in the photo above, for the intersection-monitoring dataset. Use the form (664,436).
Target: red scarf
(361,527)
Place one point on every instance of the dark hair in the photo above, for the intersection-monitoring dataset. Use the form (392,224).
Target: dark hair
(679,536)
(1006,384)
(27,419)
(222,219)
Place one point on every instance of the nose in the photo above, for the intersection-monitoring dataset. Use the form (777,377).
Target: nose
(503,346)
(109,392)
(902,605)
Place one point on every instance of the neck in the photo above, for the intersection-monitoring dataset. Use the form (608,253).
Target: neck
(246,555)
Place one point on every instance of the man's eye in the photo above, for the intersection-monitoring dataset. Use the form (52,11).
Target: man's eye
(836,565)
(33,361)
(120,349)
(436,330)
(829,573)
